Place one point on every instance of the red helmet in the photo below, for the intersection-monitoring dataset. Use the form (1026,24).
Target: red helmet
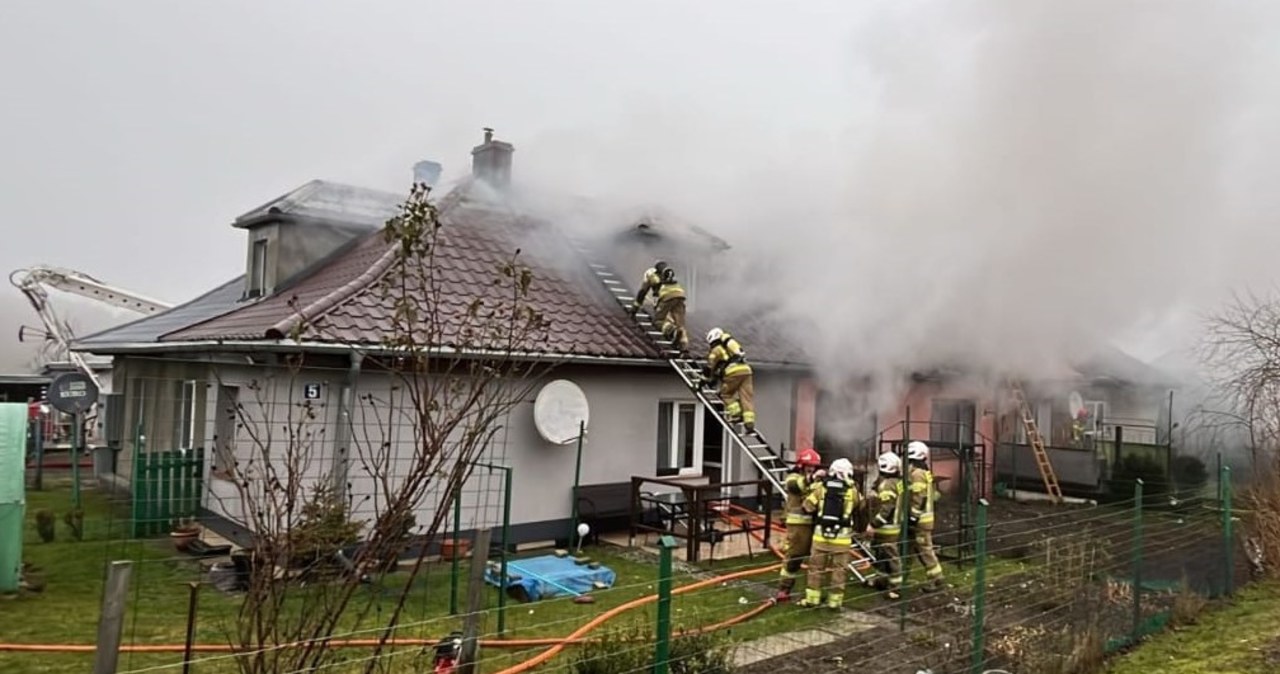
(808,457)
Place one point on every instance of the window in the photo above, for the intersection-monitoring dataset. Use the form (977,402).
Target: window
(258,269)
(225,421)
(1097,413)
(948,417)
(680,438)
(184,415)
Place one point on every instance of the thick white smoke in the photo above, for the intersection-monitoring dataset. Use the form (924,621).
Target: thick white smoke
(1011,183)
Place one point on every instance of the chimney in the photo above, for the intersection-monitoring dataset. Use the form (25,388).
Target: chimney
(427,171)
(491,161)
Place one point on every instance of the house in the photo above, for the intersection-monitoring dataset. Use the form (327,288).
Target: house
(314,257)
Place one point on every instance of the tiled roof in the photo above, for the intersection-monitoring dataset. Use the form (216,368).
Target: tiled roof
(344,302)
(216,302)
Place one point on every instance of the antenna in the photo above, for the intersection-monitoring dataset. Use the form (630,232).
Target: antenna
(558,410)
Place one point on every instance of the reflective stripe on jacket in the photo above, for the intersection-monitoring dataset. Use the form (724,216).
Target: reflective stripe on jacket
(885,519)
(727,358)
(797,487)
(922,495)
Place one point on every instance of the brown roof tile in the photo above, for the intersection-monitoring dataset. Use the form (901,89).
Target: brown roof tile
(343,301)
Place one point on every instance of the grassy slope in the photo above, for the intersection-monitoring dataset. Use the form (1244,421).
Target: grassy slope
(67,611)
(1231,640)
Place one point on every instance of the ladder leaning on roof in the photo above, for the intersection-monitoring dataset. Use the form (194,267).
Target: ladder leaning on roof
(753,444)
(1036,440)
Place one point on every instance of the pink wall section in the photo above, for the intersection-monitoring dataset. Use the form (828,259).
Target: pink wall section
(917,402)
(804,411)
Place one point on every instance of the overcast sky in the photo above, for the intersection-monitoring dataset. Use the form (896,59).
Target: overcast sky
(134,132)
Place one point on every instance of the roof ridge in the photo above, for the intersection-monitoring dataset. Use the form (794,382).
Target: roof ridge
(336,297)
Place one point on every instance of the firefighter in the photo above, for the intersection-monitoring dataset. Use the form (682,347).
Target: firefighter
(669,304)
(801,480)
(922,498)
(886,527)
(832,502)
(727,364)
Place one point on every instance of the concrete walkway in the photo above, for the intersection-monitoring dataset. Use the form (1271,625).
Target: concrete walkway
(841,625)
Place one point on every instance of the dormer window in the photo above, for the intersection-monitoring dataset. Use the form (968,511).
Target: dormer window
(258,269)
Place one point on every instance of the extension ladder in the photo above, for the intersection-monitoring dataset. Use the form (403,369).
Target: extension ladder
(1036,440)
(751,444)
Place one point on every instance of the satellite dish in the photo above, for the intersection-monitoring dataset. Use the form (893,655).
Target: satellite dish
(1076,403)
(558,411)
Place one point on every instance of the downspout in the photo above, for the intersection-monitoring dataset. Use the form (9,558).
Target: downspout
(342,434)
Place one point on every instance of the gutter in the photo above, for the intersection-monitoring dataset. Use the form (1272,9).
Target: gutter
(292,346)
(342,435)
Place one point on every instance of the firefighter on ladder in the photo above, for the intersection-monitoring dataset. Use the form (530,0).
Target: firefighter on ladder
(832,502)
(727,364)
(885,522)
(669,304)
(800,481)
(921,514)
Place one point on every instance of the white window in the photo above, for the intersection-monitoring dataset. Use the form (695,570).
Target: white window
(184,415)
(258,269)
(680,441)
(1097,415)
(225,422)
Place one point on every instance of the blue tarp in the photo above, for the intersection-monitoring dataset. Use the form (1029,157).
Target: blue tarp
(550,576)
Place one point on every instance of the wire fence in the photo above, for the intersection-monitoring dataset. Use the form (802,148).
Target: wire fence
(1030,586)
(1044,588)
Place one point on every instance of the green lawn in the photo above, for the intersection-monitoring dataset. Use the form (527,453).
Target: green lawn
(1242,637)
(67,610)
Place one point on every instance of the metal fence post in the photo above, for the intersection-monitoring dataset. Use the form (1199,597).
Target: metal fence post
(979,588)
(1228,548)
(475,598)
(111,623)
(506,541)
(1137,558)
(453,576)
(662,647)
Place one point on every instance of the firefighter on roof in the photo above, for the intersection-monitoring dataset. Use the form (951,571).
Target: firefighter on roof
(800,482)
(669,304)
(923,495)
(727,364)
(832,502)
(886,524)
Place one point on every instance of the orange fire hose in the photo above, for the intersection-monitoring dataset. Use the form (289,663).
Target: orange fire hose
(557,644)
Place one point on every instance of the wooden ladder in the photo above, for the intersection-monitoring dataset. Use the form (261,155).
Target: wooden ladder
(1036,440)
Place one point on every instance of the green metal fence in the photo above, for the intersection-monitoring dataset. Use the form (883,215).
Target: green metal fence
(166,490)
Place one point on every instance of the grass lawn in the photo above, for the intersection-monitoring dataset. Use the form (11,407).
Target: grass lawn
(67,610)
(1242,637)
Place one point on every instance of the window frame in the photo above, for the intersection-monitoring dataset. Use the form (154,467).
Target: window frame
(671,464)
(224,446)
(947,431)
(185,414)
(258,254)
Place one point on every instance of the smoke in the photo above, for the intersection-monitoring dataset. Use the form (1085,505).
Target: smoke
(1008,184)
(84,316)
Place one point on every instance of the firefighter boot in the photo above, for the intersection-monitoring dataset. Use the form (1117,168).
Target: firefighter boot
(784,591)
(835,600)
(811,599)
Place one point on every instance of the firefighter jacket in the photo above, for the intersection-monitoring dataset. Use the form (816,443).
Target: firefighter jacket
(797,486)
(662,289)
(923,495)
(726,358)
(833,517)
(884,515)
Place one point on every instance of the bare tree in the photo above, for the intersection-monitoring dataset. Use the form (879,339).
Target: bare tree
(457,367)
(1241,349)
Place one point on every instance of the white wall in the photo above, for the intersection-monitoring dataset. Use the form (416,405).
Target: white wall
(621,440)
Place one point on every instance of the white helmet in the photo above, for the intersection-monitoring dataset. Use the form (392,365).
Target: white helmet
(714,335)
(842,468)
(889,463)
(917,451)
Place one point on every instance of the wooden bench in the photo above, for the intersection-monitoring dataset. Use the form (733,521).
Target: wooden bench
(605,507)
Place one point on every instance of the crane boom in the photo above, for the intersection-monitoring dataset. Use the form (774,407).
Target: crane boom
(81,284)
(32,281)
